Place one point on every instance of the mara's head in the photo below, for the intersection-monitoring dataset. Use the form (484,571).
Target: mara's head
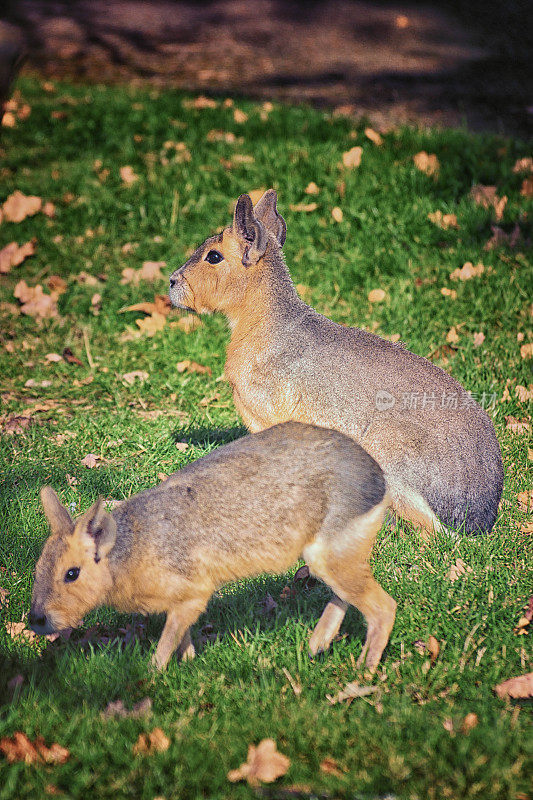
(217,275)
(72,575)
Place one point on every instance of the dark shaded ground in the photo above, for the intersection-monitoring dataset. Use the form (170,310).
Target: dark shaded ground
(427,63)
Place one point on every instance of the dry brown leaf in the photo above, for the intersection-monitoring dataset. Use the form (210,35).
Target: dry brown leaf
(523,165)
(193,367)
(12,255)
(200,102)
(427,162)
(221,136)
(351,691)
(376,295)
(374,136)
(352,157)
(240,116)
(486,197)
(20,748)
(401,21)
(433,648)
(152,324)
(304,207)
(449,292)
(452,337)
(518,426)
(526,350)
(526,190)
(524,395)
(35,303)
(56,284)
(18,206)
(118,709)
(19,630)
(128,176)
(182,447)
(49,209)
(312,188)
(479,338)
(187,323)
(9,120)
(519,688)
(469,722)
(329,766)
(444,221)
(337,214)
(154,742)
(131,377)
(3,596)
(53,357)
(500,237)
(91,461)
(467,271)
(457,570)
(264,764)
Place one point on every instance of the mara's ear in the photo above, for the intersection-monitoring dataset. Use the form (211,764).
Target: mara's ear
(250,233)
(57,515)
(98,530)
(266,212)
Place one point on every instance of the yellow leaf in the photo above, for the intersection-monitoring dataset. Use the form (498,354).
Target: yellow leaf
(304,207)
(152,324)
(352,158)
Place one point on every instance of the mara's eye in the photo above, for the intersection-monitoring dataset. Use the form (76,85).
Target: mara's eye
(71,574)
(214,257)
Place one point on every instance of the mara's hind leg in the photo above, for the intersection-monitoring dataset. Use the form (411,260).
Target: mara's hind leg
(341,560)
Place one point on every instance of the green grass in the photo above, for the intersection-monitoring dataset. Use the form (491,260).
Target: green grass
(406,739)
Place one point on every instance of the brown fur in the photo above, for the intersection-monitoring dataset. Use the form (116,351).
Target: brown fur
(255,505)
(287,362)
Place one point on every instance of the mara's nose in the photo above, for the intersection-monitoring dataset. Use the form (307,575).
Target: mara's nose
(37,619)
(173,282)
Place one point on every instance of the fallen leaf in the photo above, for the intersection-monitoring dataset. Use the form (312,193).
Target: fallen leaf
(518,426)
(467,271)
(18,206)
(20,748)
(524,395)
(457,570)
(352,157)
(131,377)
(521,628)
(329,766)
(479,338)
(444,221)
(303,207)
(35,303)
(182,447)
(526,350)
(200,102)
(351,691)
(469,722)
(15,424)
(486,197)
(517,688)
(433,648)
(3,596)
(401,21)
(56,284)
(128,176)
(154,742)
(12,255)
(90,461)
(187,323)
(526,190)
(117,709)
(337,214)
(193,367)
(427,163)
(239,116)
(9,120)
(452,337)
(152,324)
(53,357)
(264,764)
(374,136)
(312,188)
(49,209)
(523,165)
(376,295)
(500,237)
(267,605)
(449,292)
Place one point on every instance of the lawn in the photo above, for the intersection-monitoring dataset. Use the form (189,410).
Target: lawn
(65,397)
